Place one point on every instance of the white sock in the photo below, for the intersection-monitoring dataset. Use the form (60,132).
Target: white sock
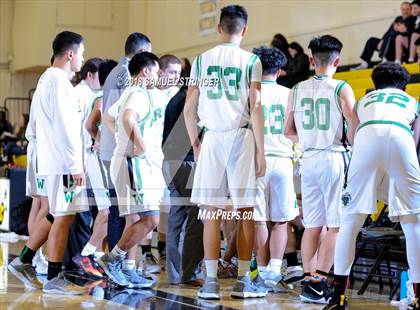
(98,254)
(129,264)
(211,268)
(117,253)
(275,265)
(364,64)
(262,268)
(89,249)
(398,61)
(243,267)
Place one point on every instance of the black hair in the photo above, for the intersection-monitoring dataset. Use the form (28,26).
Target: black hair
(272,59)
(165,60)
(186,68)
(297,47)
(140,61)
(135,42)
(91,65)
(279,41)
(64,41)
(390,74)
(105,68)
(233,19)
(325,49)
(415,2)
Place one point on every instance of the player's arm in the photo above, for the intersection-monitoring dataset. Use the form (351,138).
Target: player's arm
(257,121)
(190,115)
(94,118)
(290,128)
(416,132)
(348,108)
(108,118)
(130,124)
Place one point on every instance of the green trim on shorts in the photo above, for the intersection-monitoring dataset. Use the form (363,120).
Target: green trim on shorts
(381,122)
(139,183)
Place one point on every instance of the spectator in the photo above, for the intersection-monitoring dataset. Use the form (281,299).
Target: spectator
(17,142)
(417,44)
(4,124)
(407,42)
(385,46)
(297,69)
(279,41)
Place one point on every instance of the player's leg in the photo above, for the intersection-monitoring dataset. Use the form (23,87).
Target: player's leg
(294,272)
(262,249)
(35,208)
(412,49)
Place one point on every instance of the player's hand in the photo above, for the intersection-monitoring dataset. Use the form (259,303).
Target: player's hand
(260,161)
(96,147)
(196,150)
(79,179)
(138,151)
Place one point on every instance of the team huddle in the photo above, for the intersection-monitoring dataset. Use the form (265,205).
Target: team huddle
(256,145)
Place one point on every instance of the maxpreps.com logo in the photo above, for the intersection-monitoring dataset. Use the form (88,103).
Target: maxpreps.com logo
(346,198)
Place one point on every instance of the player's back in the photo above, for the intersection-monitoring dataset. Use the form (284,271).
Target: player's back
(389,106)
(274,102)
(225,105)
(318,115)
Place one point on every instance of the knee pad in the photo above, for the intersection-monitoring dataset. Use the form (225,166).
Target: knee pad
(50,218)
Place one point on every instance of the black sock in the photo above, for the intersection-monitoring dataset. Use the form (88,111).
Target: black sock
(307,274)
(161,246)
(146,249)
(340,286)
(292,259)
(27,255)
(321,273)
(54,269)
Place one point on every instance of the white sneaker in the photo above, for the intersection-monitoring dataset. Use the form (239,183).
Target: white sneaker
(293,274)
(149,264)
(363,65)
(60,285)
(40,263)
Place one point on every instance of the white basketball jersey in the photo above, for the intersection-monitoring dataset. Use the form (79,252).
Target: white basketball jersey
(274,102)
(224,104)
(389,106)
(317,114)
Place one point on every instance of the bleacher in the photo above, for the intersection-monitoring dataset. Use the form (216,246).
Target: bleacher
(362,83)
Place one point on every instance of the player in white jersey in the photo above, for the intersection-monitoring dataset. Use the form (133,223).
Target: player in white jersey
(59,158)
(276,199)
(167,87)
(90,98)
(316,112)
(36,189)
(136,186)
(231,155)
(384,166)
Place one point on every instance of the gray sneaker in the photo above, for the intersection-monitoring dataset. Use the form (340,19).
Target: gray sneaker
(149,264)
(275,282)
(25,273)
(112,269)
(137,281)
(259,282)
(245,288)
(210,289)
(60,285)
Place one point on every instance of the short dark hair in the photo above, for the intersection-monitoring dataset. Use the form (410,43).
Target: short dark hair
(166,60)
(135,42)
(91,65)
(64,41)
(105,68)
(186,69)
(415,2)
(325,49)
(233,19)
(140,61)
(279,41)
(390,74)
(272,59)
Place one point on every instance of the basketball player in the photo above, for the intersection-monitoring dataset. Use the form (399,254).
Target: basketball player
(317,108)
(227,161)
(131,170)
(384,166)
(167,86)
(276,199)
(59,159)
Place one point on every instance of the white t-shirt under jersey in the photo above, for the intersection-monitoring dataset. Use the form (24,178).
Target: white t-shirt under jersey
(388,106)
(139,100)
(55,113)
(224,106)
(318,115)
(274,99)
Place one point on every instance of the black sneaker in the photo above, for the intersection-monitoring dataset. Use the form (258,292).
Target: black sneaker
(337,304)
(415,305)
(316,290)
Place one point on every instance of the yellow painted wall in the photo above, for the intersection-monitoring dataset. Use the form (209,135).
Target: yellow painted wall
(27,28)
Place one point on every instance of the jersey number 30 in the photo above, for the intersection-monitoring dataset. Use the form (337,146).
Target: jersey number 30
(316,113)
